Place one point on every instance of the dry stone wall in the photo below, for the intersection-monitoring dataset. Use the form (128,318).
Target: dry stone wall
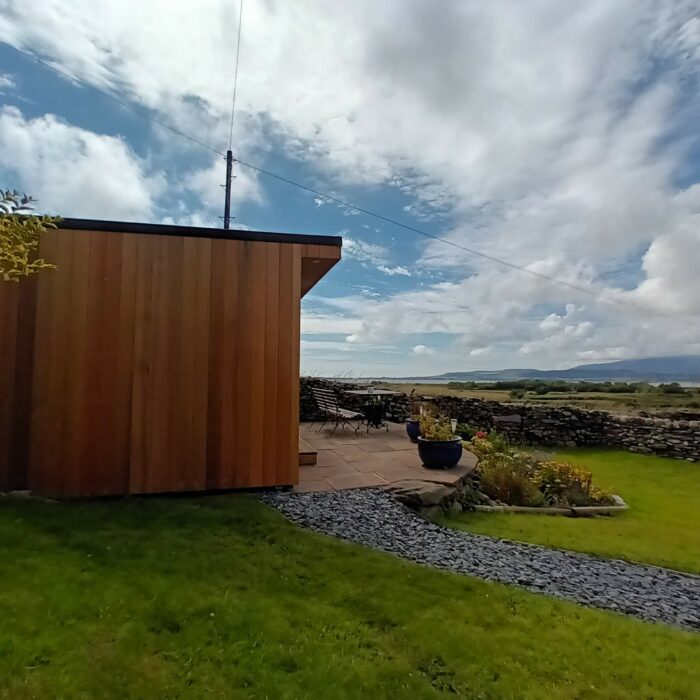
(544,425)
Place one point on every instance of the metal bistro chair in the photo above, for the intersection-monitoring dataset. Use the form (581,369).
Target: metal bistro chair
(327,402)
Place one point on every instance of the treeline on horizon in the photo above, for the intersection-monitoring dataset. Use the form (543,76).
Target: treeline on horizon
(544,386)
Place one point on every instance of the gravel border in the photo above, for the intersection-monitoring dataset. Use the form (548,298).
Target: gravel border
(373,518)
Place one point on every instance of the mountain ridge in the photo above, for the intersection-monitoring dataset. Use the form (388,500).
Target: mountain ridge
(653,369)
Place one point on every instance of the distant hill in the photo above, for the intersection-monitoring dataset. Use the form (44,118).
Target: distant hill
(652,369)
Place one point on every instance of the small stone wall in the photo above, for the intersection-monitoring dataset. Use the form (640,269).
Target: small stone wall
(544,425)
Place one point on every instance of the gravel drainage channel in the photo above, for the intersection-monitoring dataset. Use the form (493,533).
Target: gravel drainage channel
(373,518)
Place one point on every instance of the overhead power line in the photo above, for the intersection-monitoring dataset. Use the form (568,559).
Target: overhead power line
(446,241)
(344,203)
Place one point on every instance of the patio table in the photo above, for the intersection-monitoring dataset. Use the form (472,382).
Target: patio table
(375,411)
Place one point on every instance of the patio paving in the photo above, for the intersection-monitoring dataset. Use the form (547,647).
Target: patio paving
(349,461)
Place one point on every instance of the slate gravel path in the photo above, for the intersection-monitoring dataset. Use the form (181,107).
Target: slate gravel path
(373,518)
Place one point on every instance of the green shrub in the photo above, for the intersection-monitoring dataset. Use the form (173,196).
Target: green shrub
(19,237)
(499,441)
(483,444)
(520,479)
(505,478)
(565,484)
(466,430)
(672,388)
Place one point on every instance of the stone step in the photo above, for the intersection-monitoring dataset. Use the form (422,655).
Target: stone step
(307,454)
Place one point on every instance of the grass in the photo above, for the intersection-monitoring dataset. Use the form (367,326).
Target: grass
(220,597)
(616,403)
(660,528)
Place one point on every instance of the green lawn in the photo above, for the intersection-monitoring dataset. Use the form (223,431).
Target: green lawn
(662,526)
(220,597)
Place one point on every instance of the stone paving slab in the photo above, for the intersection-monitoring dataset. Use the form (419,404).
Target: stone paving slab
(348,461)
(373,518)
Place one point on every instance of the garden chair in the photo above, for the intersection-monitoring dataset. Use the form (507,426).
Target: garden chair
(327,402)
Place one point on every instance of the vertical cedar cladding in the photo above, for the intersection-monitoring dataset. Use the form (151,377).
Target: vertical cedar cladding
(153,363)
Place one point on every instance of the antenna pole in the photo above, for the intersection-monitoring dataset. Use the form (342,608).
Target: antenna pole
(227,203)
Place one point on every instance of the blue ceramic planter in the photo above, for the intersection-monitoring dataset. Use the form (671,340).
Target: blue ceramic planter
(413,430)
(440,454)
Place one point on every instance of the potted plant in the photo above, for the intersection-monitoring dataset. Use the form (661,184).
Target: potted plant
(438,446)
(413,422)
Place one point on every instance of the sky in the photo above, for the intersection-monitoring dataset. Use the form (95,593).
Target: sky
(559,137)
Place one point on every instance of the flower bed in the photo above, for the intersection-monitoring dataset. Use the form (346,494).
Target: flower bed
(519,481)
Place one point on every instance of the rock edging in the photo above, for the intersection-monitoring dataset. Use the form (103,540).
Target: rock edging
(619,506)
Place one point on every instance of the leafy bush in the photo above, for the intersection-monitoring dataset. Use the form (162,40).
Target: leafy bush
(466,430)
(483,444)
(19,237)
(520,479)
(566,484)
(499,441)
(672,388)
(505,478)
(480,446)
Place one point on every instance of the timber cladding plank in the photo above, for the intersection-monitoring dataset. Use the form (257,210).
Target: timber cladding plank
(9,307)
(239,463)
(40,364)
(285,361)
(272,310)
(23,381)
(124,370)
(222,445)
(256,330)
(292,461)
(215,361)
(74,385)
(139,414)
(198,255)
(48,472)
(104,467)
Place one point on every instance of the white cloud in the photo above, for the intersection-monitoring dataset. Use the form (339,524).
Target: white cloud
(423,350)
(207,183)
(7,82)
(670,264)
(74,172)
(396,270)
(372,255)
(328,324)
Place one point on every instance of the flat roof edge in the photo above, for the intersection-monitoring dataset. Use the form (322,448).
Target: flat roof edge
(197,232)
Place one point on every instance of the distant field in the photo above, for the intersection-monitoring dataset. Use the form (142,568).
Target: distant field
(619,403)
